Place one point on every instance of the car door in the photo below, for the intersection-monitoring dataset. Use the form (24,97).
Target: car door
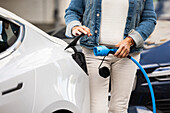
(17,82)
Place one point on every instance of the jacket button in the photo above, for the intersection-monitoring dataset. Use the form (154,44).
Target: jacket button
(98,14)
(96,31)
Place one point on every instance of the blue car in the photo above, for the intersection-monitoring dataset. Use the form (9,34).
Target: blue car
(156,62)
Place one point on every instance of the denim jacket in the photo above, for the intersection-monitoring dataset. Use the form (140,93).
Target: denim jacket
(140,22)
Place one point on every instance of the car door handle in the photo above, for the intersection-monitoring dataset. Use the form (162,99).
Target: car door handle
(18,87)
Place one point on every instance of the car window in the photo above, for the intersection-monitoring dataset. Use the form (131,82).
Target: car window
(9,33)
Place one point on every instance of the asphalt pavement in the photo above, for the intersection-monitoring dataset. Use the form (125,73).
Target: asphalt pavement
(160,35)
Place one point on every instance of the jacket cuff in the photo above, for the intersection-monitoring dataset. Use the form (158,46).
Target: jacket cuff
(136,37)
(69,28)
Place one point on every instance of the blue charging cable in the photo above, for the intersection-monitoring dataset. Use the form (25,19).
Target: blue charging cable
(149,83)
(104,51)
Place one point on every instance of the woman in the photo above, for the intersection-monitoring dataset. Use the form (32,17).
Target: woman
(121,23)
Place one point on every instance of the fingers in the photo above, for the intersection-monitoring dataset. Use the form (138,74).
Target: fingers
(124,48)
(123,51)
(118,52)
(124,54)
(78,30)
(87,30)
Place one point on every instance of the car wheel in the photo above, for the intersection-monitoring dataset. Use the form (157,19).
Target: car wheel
(62,111)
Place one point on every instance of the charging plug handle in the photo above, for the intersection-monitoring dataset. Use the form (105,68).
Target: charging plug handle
(74,42)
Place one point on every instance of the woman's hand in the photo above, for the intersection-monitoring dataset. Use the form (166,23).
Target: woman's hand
(78,30)
(124,47)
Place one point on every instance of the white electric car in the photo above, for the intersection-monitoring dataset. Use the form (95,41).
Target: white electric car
(36,74)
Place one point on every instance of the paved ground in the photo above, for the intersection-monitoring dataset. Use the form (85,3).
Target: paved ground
(161,33)
(162,30)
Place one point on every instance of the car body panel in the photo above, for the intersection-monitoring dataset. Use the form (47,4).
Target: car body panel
(51,79)
(9,102)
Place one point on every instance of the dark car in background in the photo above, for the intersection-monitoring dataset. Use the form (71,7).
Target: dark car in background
(162,8)
(156,62)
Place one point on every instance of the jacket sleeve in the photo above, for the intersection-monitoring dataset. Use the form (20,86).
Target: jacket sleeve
(73,15)
(146,25)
